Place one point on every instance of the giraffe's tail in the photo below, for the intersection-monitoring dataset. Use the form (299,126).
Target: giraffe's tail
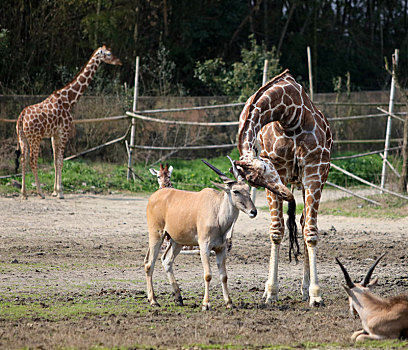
(20,135)
(292,227)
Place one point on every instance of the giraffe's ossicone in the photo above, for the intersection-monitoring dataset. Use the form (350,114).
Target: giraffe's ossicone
(52,118)
(284,139)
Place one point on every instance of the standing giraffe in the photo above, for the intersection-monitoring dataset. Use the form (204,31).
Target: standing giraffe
(52,118)
(284,139)
(163,175)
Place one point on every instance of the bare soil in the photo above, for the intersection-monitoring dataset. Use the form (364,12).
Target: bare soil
(89,249)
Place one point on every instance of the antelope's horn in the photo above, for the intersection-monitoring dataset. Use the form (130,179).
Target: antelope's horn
(235,170)
(217,171)
(350,284)
(161,167)
(370,271)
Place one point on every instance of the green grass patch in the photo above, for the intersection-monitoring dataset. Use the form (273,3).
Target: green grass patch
(391,207)
(83,177)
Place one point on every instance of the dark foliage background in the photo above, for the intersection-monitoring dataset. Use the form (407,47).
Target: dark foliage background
(44,43)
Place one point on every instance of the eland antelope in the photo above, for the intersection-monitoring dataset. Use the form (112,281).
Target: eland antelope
(195,218)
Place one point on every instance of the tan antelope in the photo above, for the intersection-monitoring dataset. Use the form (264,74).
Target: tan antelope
(195,218)
(382,318)
(163,178)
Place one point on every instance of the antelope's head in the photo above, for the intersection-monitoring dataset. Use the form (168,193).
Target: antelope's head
(163,175)
(237,190)
(105,54)
(356,290)
(262,173)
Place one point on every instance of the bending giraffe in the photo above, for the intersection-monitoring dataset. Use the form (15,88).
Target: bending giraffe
(52,118)
(284,139)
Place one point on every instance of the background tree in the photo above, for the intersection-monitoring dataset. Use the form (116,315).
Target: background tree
(43,43)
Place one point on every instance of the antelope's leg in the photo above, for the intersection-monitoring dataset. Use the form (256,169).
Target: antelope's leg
(310,235)
(276,231)
(149,261)
(365,336)
(356,334)
(167,259)
(205,259)
(221,256)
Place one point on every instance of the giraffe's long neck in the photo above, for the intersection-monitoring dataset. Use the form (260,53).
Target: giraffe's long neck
(78,85)
(283,101)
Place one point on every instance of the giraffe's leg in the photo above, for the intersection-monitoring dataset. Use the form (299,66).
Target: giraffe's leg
(306,267)
(24,162)
(205,259)
(34,150)
(276,231)
(59,148)
(55,147)
(221,258)
(167,259)
(310,234)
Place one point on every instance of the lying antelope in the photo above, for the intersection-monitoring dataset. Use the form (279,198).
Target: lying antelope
(382,318)
(195,218)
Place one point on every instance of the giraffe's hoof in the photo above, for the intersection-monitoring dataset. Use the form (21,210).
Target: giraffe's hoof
(41,196)
(60,196)
(206,307)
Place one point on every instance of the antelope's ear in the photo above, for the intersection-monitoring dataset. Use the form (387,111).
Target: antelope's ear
(170,169)
(347,289)
(220,186)
(153,171)
(373,283)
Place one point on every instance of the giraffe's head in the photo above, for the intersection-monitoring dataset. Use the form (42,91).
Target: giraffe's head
(105,54)
(260,172)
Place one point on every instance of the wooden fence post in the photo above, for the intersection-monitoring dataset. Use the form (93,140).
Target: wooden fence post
(309,64)
(133,130)
(389,119)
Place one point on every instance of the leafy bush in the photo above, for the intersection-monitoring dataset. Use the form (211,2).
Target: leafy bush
(368,168)
(241,78)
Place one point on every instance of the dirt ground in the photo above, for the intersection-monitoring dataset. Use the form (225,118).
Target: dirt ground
(89,250)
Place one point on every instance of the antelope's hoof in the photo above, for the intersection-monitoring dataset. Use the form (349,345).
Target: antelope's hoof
(154,304)
(316,302)
(179,301)
(41,196)
(229,305)
(270,299)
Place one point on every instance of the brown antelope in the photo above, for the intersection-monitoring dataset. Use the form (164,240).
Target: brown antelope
(163,178)
(195,218)
(382,318)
